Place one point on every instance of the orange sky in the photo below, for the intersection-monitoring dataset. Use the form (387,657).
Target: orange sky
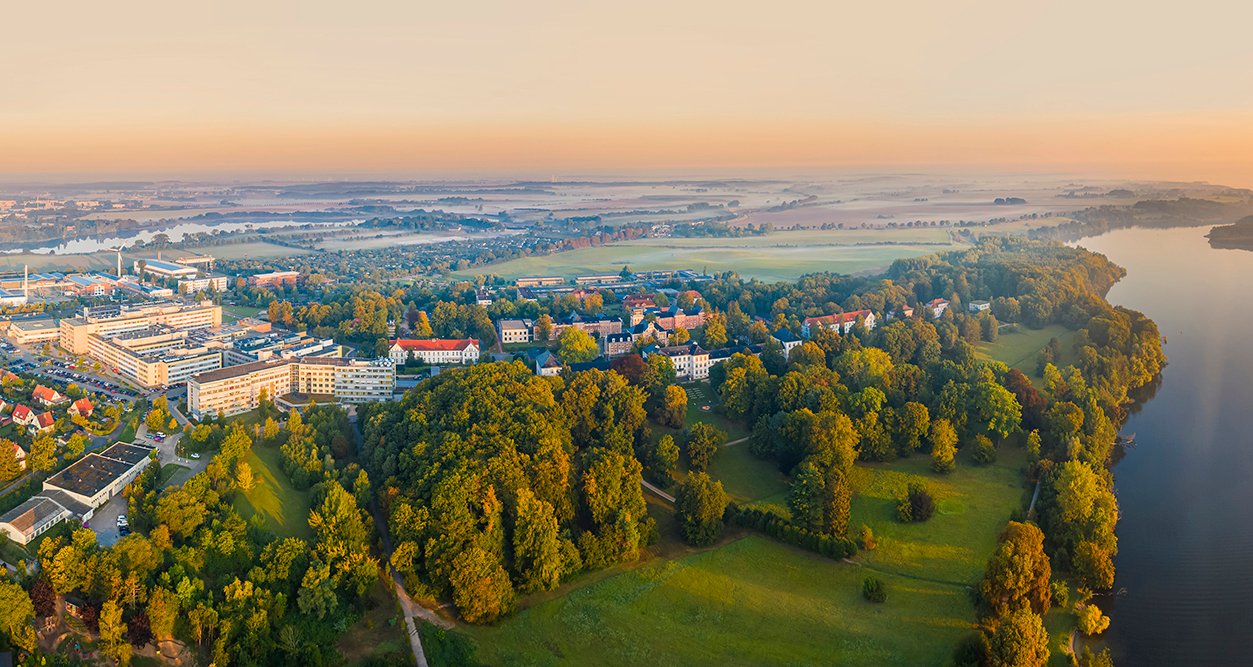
(399,88)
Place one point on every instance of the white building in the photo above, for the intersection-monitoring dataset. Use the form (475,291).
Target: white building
(937,307)
(435,351)
(691,361)
(979,306)
(839,322)
(514,331)
(238,389)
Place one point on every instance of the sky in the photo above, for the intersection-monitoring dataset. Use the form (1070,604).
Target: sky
(233,87)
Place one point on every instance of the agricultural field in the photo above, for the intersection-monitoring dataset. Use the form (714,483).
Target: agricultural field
(1021,348)
(248,250)
(101,261)
(779,256)
(284,508)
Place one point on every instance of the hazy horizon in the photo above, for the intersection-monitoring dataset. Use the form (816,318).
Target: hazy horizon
(235,89)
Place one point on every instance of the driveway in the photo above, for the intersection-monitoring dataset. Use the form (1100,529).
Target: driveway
(167,451)
(104,521)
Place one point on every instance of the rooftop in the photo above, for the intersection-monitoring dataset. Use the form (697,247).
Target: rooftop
(127,453)
(89,475)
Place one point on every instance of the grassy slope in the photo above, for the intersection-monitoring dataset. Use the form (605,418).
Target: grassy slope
(284,508)
(753,601)
(1021,348)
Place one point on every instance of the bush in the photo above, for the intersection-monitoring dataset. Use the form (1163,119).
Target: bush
(1060,593)
(776,525)
(984,451)
(867,541)
(1091,620)
(971,651)
(873,590)
(916,506)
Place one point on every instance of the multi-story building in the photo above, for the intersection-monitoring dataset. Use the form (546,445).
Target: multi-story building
(596,326)
(274,278)
(237,389)
(34,331)
(598,279)
(937,307)
(202,283)
(615,344)
(75,332)
(650,329)
(979,306)
(435,351)
(155,356)
(839,322)
(514,331)
(691,361)
(787,339)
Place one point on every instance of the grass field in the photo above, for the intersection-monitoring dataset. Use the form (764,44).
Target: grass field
(248,250)
(93,262)
(779,256)
(753,601)
(235,313)
(1020,349)
(284,508)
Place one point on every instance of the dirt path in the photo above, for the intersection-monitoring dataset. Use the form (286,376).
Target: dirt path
(656,491)
(735,442)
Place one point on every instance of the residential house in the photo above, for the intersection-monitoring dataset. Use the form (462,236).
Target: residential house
(435,351)
(482,298)
(20,455)
(31,420)
(47,396)
(979,306)
(839,322)
(901,314)
(937,307)
(547,363)
(82,407)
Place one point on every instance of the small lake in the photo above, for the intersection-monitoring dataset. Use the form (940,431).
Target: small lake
(1185,562)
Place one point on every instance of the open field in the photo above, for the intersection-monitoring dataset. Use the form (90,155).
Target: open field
(1020,349)
(973,505)
(753,601)
(780,256)
(285,509)
(249,250)
(234,313)
(10,262)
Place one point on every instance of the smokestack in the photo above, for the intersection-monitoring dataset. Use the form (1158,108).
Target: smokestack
(119,263)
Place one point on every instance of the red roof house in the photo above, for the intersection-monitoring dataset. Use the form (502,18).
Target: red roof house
(82,407)
(47,395)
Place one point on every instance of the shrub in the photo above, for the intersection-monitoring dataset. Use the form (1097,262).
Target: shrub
(1091,620)
(917,505)
(867,541)
(780,527)
(984,451)
(873,590)
(1060,593)
(971,651)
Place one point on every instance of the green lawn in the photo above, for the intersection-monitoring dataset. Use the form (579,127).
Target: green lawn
(235,313)
(973,505)
(700,396)
(169,472)
(747,478)
(1021,349)
(778,256)
(753,601)
(284,508)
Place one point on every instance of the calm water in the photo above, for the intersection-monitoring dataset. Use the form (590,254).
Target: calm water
(1185,565)
(175,231)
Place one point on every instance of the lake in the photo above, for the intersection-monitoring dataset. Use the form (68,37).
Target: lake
(1185,561)
(175,231)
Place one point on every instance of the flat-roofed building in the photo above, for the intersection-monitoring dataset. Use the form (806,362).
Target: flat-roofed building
(204,283)
(539,281)
(164,269)
(34,331)
(95,478)
(12,297)
(155,356)
(274,278)
(598,279)
(75,332)
(237,389)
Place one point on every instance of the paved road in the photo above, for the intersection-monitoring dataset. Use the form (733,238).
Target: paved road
(656,491)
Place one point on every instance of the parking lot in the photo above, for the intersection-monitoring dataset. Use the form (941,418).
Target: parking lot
(104,521)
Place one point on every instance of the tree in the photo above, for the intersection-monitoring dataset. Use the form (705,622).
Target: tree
(576,346)
(244,478)
(1018,574)
(912,422)
(680,336)
(820,499)
(700,503)
(1020,640)
(916,505)
(537,545)
(658,374)
(1090,619)
(163,611)
(17,615)
(113,633)
(480,586)
(270,429)
(703,440)
(544,328)
(943,445)
(984,450)
(867,540)
(873,590)
(75,446)
(673,407)
(43,453)
(715,334)
(422,326)
(9,465)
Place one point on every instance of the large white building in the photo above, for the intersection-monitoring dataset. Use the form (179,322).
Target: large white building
(514,331)
(236,389)
(75,332)
(435,351)
(691,361)
(155,356)
(76,492)
(205,282)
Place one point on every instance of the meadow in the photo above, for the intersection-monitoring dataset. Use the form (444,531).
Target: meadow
(1020,348)
(778,256)
(284,508)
